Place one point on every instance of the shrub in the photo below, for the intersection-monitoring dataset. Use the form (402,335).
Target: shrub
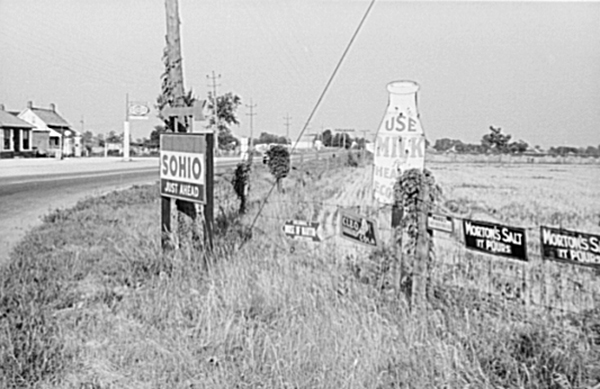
(241,183)
(279,163)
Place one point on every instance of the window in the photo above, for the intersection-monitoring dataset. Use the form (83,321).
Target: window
(26,143)
(6,141)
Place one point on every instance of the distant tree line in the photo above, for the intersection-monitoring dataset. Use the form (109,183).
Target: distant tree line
(340,139)
(497,142)
(266,138)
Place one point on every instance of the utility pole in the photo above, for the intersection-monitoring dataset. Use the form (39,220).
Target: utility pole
(251,114)
(175,69)
(81,148)
(172,89)
(287,126)
(214,86)
(126,130)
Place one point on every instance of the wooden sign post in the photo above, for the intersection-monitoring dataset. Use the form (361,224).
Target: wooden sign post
(186,172)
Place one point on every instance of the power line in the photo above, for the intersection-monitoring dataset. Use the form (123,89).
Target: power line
(318,103)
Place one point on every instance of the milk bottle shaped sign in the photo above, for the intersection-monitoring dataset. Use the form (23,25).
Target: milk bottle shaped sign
(400,141)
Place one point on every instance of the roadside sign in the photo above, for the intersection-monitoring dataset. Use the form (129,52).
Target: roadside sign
(495,239)
(399,142)
(138,110)
(301,229)
(358,228)
(440,223)
(570,246)
(183,167)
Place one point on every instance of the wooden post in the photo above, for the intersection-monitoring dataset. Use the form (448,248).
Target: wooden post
(210,175)
(422,250)
(397,214)
(165,227)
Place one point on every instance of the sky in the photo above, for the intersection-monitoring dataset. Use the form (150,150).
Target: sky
(531,68)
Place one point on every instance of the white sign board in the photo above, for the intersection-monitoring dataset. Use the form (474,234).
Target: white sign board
(183,167)
(400,141)
(440,223)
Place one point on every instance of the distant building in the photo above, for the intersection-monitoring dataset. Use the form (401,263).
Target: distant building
(50,130)
(15,136)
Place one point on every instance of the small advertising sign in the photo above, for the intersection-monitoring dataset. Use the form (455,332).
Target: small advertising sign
(495,239)
(358,228)
(440,223)
(570,246)
(301,229)
(182,167)
(138,110)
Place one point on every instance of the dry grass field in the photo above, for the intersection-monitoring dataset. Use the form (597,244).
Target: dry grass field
(90,301)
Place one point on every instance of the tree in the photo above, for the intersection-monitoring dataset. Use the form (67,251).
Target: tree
(495,140)
(87,140)
(327,138)
(100,140)
(279,163)
(361,143)
(518,147)
(154,140)
(341,140)
(113,137)
(592,151)
(227,106)
(446,144)
(266,138)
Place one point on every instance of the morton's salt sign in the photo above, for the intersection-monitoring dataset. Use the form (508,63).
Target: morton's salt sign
(400,142)
(570,246)
(182,167)
(495,239)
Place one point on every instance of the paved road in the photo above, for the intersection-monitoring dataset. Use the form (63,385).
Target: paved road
(30,188)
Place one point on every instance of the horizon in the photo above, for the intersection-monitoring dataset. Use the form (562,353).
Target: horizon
(531,68)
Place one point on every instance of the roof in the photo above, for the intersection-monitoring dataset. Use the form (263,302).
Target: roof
(50,117)
(7,120)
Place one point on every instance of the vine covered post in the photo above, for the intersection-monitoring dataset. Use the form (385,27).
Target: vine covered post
(397,215)
(422,249)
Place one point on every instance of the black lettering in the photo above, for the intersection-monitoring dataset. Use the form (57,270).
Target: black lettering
(165,170)
(196,168)
(182,165)
(173,166)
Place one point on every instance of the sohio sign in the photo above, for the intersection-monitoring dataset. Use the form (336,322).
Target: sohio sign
(400,142)
(183,167)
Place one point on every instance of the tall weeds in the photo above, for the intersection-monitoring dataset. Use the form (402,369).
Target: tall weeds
(90,301)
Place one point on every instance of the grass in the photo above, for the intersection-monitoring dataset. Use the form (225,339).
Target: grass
(90,301)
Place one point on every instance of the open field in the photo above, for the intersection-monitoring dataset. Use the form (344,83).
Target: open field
(89,301)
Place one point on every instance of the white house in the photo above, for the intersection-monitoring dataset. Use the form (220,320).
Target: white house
(15,136)
(50,130)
